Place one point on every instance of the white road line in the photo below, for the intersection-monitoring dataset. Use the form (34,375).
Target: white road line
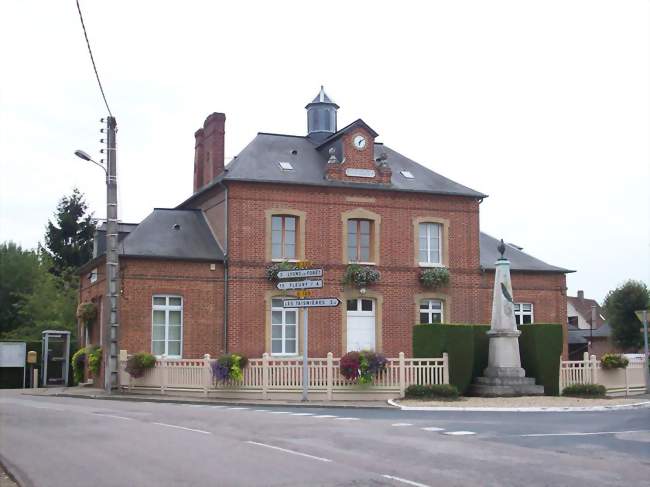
(588,434)
(347,419)
(325,416)
(402,424)
(45,407)
(321,459)
(280,412)
(183,428)
(432,428)
(114,416)
(459,433)
(408,482)
(302,414)
(261,410)
(237,409)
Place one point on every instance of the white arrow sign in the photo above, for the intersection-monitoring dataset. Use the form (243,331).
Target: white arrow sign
(300,273)
(312,303)
(307,284)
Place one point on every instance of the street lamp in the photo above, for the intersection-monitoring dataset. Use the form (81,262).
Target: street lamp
(110,335)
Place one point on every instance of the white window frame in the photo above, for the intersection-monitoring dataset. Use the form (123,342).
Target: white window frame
(429,249)
(93,275)
(520,312)
(283,236)
(167,308)
(430,311)
(355,257)
(284,325)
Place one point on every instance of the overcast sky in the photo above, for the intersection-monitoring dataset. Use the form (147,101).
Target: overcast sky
(541,105)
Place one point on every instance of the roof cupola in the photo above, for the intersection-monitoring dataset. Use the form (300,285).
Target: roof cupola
(321,116)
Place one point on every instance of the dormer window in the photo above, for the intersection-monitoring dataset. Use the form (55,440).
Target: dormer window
(407,174)
(285,166)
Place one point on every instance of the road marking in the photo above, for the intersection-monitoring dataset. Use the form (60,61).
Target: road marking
(196,405)
(432,428)
(302,414)
(409,482)
(45,407)
(402,424)
(325,416)
(347,419)
(114,416)
(183,428)
(588,434)
(237,409)
(458,433)
(321,459)
(280,412)
(261,410)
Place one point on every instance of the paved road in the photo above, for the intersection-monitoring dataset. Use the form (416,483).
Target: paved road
(49,441)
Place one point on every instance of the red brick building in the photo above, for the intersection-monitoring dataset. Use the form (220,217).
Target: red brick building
(194,279)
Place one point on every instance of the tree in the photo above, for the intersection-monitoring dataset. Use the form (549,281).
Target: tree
(19,271)
(620,305)
(69,240)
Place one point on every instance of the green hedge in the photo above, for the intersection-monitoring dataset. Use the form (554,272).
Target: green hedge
(540,346)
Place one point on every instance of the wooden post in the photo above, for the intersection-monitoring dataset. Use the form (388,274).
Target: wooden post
(594,370)
(402,375)
(445,370)
(330,375)
(586,375)
(207,379)
(265,375)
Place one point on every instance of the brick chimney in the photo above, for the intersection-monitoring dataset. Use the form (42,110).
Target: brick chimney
(581,295)
(209,150)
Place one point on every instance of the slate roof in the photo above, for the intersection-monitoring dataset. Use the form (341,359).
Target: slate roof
(168,234)
(322,98)
(519,261)
(582,335)
(583,306)
(259,162)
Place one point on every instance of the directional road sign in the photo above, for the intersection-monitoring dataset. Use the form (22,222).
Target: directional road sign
(300,273)
(312,303)
(306,284)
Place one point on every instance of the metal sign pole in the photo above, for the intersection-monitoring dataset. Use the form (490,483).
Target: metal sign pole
(645,350)
(305,367)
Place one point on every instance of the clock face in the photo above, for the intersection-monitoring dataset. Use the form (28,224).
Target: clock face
(359,142)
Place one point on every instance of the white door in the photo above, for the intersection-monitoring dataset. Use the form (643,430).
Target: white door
(361,324)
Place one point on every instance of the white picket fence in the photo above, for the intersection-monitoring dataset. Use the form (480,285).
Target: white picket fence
(627,381)
(269,377)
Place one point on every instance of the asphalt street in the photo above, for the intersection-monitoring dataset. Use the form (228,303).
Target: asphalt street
(52,441)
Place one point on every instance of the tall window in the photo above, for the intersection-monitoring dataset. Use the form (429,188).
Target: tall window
(523,313)
(283,236)
(359,240)
(167,333)
(430,243)
(431,311)
(284,329)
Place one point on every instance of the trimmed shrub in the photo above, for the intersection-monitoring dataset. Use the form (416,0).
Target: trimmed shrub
(432,391)
(584,390)
(137,363)
(540,347)
(613,361)
(434,277)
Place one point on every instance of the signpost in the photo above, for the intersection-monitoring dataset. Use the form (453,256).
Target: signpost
(642,315)
(302,292)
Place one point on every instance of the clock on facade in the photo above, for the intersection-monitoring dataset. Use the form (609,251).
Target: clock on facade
(359,142)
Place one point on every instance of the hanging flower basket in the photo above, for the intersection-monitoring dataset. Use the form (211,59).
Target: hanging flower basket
(361,275)
(87,312)
(229,367)
(434,277)
(613,361)
(273,269)
(362,367)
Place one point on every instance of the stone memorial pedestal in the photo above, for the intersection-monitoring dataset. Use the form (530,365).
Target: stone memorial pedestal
(504,375)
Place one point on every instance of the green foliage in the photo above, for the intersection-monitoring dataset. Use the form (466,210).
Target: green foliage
(620,305)
(432,391)
(585,390)
(19,272)
(435,277)
(69,240)
(79,359)
(540,347)
(273,269)
(139,362)
(229,367)
(613,361)
(361,275)
(94,355)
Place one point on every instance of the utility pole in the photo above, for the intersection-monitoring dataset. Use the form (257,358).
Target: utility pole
(110,337)
(591,326)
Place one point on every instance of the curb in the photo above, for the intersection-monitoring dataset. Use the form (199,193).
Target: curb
(539,409)
(179,400)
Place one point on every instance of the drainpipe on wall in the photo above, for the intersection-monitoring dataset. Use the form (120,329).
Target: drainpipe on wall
(225,272)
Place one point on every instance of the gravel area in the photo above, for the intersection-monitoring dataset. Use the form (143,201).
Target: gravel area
(526,401)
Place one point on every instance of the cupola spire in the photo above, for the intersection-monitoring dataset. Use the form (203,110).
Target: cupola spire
(321,116)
